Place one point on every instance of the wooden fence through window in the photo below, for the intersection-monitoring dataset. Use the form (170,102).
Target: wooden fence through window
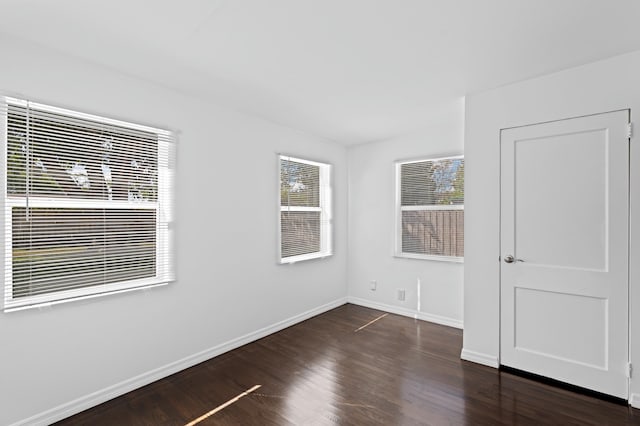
(433,232)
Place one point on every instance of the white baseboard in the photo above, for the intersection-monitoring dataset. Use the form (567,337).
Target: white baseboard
(73,407)
(480,358)
(634,400)
(450,322)
(441,320)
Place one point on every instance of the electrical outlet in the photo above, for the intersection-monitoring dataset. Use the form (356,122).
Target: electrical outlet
(373,284)
(401,294)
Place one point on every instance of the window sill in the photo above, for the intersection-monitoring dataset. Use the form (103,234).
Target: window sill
(449,259)
(48,300)
(311,256)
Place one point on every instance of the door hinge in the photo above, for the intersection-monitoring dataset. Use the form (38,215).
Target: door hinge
(630,130)
(629,370)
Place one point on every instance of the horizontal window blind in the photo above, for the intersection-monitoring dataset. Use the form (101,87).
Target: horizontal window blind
(431,208)
(301,232)
(87,204)
(305,215)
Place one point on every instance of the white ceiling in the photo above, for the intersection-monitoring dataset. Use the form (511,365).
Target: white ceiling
(350,70)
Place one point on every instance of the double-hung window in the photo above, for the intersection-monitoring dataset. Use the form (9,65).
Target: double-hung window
(430,209)
(87,204)
(305,209)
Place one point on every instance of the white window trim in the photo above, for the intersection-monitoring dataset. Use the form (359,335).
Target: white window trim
(163,207)
(398,209)
(326,219)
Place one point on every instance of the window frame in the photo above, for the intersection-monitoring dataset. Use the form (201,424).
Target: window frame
(398,209)
(325,209)
(162,206)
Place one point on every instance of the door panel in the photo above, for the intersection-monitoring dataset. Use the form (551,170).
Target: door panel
(553,175)
(580,337)
(564,219)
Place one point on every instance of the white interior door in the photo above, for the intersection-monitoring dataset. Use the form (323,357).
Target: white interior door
(564,221)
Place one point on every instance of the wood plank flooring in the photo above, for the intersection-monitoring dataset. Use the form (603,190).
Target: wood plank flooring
(394,371)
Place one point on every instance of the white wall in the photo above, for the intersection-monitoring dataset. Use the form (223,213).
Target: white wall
(602,86)
(371,227)
(58,360)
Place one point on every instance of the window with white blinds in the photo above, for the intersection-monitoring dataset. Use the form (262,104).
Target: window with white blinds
(430,209)
(87,205)
(305,209)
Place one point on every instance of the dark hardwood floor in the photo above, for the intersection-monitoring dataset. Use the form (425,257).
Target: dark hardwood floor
(395,371)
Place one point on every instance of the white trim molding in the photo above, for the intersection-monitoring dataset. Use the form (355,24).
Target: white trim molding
(437,319)
(480,358)
(73,407)
(634,400)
